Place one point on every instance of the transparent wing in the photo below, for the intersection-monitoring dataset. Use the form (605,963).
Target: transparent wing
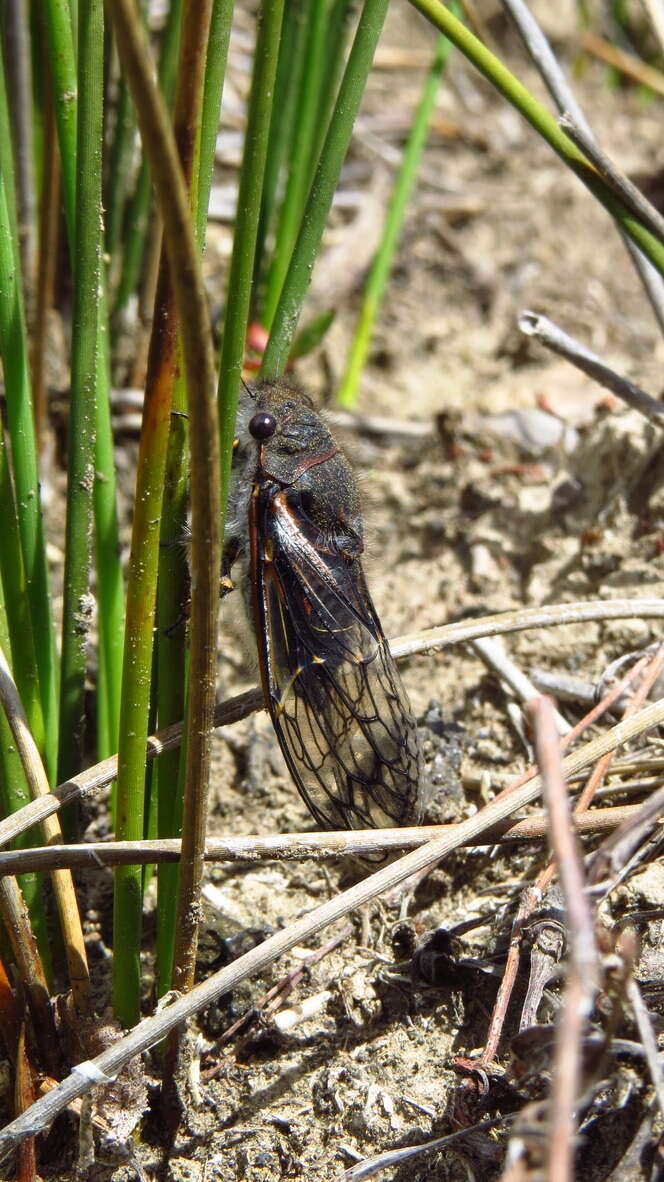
(334,693)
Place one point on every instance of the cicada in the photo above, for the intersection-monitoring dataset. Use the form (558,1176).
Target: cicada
(331,686)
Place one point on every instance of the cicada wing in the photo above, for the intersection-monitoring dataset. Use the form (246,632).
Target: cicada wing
(335,696)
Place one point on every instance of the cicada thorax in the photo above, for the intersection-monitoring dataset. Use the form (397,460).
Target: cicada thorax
(333,691)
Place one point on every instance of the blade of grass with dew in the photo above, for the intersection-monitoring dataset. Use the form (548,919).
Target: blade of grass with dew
(299,174)
(172,591)
(110,588)
(246,228)
(382,264)
(138,213)
(543,123)
(14,352)
(77,603)
(320,197)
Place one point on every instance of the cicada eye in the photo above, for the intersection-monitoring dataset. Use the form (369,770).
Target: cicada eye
(262,425)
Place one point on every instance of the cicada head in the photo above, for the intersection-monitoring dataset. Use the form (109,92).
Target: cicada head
(293,446)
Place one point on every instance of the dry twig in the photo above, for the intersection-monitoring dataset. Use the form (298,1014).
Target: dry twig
(292,847)
(552,337)
(583,974)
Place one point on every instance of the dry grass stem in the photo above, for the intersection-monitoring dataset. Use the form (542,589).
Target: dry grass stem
(559,88)
(293,847)
(616,850)
(558,341)
(648,1038)
(371,1166)
(625,62)
(583,976)
(628,192)
(495,658)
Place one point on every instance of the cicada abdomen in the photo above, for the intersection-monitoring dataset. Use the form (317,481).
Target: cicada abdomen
(331,686)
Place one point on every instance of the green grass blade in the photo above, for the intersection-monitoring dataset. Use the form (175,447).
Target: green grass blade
(299,174)
(322,190)
(246,228)
(382,264)
(542,121)
(82,424)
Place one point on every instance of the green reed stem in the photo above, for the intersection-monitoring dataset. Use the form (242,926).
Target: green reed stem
(62,63)
(110,587)
(119,171)
(17,605)
(290,65)
(110,579)
(136,682)
(184,268)
(335,43)
(215,72)
(543,123)
(322,190)
(19,69)
(246,228)
(7,157)
(382,264)
(14,352)
(194,57)
(299,172)
(173,578)
(77,603)
(138,213)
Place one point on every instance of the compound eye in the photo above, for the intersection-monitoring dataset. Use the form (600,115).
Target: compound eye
(262,425)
